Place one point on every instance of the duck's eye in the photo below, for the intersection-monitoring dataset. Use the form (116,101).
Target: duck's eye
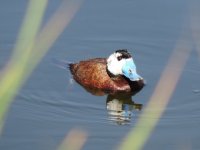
(119,58)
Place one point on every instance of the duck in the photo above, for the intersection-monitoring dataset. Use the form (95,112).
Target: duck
(114,74)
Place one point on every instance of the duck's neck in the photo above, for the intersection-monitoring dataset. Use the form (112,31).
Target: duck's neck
(110,74)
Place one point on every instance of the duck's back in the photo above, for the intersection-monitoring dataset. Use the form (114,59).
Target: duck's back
(93,74)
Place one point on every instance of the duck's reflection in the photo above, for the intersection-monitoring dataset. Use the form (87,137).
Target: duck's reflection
(120,106)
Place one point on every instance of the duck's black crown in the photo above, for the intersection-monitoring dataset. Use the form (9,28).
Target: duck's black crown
(124,54)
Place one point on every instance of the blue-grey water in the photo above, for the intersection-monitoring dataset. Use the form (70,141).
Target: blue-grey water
(51,104)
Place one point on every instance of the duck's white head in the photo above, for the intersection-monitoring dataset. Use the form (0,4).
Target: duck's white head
(121,63)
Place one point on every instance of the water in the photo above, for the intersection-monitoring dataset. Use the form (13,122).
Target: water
(50,104)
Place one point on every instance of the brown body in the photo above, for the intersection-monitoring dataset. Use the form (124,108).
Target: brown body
(93,74)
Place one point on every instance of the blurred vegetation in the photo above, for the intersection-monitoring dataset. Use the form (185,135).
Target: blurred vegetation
(21,63)
(33,43)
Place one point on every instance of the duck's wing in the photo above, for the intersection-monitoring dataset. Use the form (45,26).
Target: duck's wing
(90,73)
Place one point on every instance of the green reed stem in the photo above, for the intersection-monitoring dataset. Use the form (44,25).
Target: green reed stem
(15,73)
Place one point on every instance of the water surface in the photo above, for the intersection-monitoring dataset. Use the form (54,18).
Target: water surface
(50,104)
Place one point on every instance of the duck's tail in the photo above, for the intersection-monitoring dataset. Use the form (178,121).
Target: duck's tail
(72,68)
